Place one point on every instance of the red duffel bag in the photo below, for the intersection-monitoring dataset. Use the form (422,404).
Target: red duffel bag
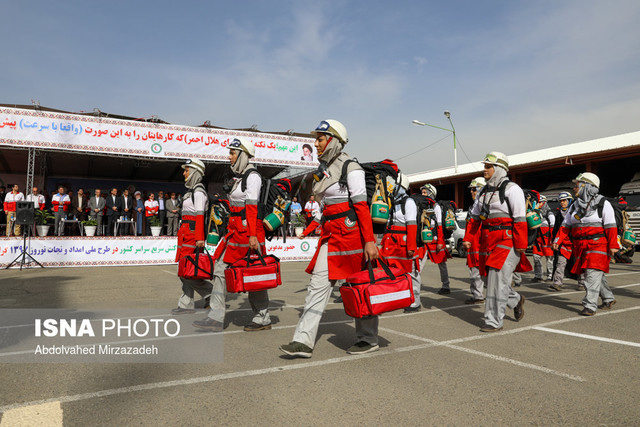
(253,273)
(374,291)
(198,265)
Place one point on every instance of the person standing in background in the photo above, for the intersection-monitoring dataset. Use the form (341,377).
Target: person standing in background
(96,210)
(9,204)
(61,203)
(173,215)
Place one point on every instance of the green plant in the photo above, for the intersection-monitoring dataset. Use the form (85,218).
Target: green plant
(154,221)
(42,217)
(298,220)
(91,222)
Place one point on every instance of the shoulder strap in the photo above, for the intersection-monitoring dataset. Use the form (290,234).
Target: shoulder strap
(243,183)
(601,206)
(343,175)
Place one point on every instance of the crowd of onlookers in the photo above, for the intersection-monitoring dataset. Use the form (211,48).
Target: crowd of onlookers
(132,212)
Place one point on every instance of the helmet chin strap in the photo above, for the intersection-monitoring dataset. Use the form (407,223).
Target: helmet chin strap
(325,147)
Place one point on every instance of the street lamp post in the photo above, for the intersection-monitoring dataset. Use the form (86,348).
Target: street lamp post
(452,130)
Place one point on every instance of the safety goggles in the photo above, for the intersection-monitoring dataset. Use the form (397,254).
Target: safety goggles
(235,144)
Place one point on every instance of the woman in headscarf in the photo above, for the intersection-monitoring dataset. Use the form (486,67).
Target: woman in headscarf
(399,244)
(591,224)
(244,232)
(346,242)
(191,234)
(542,252)
(499,215)
(473,254)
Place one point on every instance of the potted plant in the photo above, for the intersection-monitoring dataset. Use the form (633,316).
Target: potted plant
(42,218)
(299,223)
(90,225)
(155,224)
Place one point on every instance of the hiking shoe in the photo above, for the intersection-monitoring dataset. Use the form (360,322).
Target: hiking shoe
(253,326)
(587,312)
(489,328)
(554,287)
(412,309)
(180,310)
(537,280)
(472,300)
(296,349)
(362,347)
(444,291)
(518,310)
(209,324)
(606,305)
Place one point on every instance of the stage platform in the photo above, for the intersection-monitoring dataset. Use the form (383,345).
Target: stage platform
(76,251)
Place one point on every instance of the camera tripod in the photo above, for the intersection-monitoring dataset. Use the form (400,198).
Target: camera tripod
(22,258)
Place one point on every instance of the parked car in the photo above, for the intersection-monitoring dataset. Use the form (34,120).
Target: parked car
(455,241)
(631,193)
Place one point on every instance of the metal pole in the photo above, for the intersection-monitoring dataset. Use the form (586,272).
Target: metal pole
(455,148)
(30,168)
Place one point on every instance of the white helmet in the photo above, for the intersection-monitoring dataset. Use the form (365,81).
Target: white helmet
(430,189)
(589,178)
(403,181)
(565,195)
(333,128)
(497,158)
(478,182)
(195,164)
(244,145)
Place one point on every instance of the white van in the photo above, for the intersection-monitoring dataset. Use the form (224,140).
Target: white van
(631,193)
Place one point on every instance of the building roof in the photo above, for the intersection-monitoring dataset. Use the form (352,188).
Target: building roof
(564,154)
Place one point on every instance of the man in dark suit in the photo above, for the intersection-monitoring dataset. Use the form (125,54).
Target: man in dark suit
(79,204)
(114,206)
(127,209)
(96,210)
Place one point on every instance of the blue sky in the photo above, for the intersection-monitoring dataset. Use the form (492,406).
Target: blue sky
(516,75)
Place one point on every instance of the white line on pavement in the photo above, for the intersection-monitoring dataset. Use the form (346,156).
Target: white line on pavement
(488,355)
(591,337)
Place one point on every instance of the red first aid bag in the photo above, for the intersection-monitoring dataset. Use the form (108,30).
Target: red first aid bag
(198,265)
(375,291)
(253,273)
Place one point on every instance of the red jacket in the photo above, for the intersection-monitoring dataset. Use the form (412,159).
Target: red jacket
(345,239)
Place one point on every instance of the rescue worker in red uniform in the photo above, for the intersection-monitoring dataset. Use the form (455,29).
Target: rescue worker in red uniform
(244,232)
(473,254)
(542,252)
(399,243)
(436,251)
(499,217)
(346,243)
(563,253)
(9,205)
(595,238)
(191,234)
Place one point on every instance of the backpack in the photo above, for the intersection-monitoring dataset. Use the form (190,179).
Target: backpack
(619,210)
(423,204)
(275,197)
(377,176)
(448,216)
(218,214)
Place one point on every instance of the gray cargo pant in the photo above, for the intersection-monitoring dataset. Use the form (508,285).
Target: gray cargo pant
(318,294)
(500,295)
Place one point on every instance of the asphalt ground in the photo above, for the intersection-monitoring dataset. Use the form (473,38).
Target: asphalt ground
(434,367)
